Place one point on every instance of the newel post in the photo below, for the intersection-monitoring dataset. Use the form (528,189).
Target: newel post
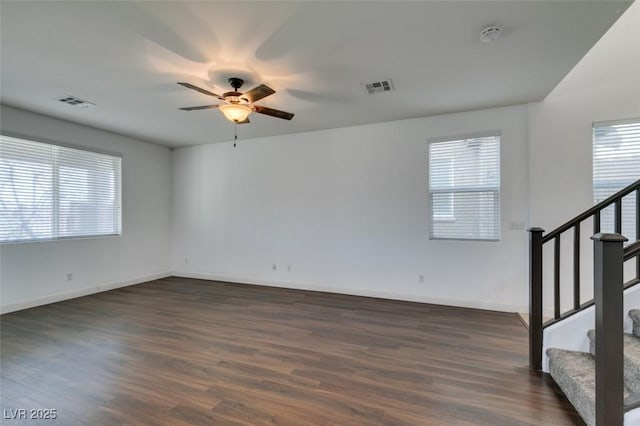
(609,295)
(535,298)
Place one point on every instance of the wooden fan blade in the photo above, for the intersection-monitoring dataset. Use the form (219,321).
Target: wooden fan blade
(273,112)
(199,107)
(258,93)
(198,89)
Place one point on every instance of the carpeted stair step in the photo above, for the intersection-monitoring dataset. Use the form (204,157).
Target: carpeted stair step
(631,359)
(575,373)
(635,316)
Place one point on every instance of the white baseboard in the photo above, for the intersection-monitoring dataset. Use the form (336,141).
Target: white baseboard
(475,304)
(58,297)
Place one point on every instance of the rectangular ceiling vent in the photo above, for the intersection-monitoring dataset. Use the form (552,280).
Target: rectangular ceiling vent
(76,102)
(378,86)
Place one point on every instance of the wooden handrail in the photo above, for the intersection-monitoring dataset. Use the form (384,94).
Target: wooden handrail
(536,242)
(632,250)
(593,210)
(610,254)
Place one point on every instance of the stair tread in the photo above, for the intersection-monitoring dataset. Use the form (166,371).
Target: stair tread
(574,372)
(632,350)
(635,316)
(631,359)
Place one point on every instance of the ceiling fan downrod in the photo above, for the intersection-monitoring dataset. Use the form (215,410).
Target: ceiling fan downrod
(236,83)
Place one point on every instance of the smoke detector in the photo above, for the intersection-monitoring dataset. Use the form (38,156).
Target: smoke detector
(490,34)
(76,102)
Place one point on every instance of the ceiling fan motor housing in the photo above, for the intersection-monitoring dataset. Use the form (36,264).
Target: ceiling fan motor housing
(234,98)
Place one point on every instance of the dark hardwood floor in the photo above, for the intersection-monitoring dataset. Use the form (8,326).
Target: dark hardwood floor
(182,351)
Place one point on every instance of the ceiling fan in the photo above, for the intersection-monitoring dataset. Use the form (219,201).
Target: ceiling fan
(237,106)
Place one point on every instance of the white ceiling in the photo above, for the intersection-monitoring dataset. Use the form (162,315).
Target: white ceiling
(126,57)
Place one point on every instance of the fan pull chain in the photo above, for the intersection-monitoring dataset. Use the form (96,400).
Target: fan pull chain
(235,134)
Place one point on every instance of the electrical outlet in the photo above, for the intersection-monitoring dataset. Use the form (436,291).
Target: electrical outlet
(420,278)
(69,276)
(274,267)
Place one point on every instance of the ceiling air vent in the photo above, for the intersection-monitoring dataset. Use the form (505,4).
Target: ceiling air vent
(378,86)
(76,102)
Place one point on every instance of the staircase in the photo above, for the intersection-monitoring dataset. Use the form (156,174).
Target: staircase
(575,373)
(605,390)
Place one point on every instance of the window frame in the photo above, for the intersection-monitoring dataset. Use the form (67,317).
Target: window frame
(598,185)
(432,219)
(119,189)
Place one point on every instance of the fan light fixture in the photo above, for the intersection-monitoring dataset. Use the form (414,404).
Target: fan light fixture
(236,112)
(236,106)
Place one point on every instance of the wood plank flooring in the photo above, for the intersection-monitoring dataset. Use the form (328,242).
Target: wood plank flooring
(181,352)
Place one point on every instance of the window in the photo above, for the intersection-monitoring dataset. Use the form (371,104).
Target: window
(464,188)
(616,164)
(442,177)
(50,192)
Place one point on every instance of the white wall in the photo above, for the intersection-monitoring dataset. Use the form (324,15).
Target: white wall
(347,210)
(32,274)
(603,86)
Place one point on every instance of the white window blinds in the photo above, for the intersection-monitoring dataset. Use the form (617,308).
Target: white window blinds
(50,192)
(616,164)
(464,188)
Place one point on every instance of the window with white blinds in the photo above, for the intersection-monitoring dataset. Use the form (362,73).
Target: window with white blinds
(464,188)
(51,192)
(616,164)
